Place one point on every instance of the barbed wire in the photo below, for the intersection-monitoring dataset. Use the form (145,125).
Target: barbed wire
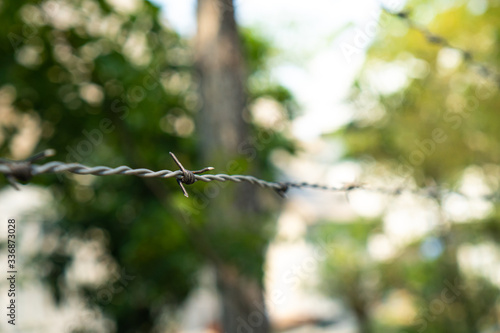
(24,170)
(484,70)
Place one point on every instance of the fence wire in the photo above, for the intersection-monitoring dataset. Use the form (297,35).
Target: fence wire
(484,70)
(24,170)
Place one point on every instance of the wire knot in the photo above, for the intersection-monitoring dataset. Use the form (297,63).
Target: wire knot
(188,177)
(282,189)
(22,171)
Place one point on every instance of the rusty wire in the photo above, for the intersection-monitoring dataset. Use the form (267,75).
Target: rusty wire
(24,170)
(484,70)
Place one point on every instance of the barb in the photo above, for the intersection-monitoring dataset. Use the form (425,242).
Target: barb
(482,69)
(24,170)
(16,171)
(188,177)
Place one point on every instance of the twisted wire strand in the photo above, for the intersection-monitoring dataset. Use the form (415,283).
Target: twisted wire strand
(24,170)
(76,168)
(240,178)
(55,167)
(484,70)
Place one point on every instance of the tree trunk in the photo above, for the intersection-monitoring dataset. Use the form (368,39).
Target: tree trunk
(221,131)
(221,66)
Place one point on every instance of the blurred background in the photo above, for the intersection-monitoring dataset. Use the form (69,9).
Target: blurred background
(322,91)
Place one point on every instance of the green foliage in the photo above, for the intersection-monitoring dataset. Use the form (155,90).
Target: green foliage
(441,109)
(440,123)
(105,87)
